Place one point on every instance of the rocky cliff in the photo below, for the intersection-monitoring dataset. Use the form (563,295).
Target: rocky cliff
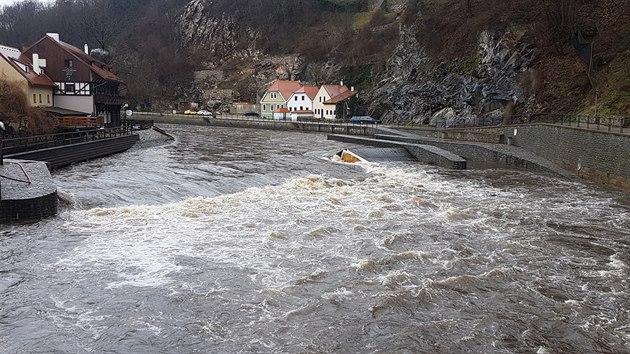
(465,91)
(494,61)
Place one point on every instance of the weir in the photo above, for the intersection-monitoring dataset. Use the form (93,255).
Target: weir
(423,153)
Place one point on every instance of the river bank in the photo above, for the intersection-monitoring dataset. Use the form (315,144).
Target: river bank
(598,156)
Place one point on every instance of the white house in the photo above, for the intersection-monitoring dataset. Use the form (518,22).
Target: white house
(328,97)
(302,99)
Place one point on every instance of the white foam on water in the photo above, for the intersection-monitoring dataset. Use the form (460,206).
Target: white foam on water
(143,241)
(253,228)
(338,296)
(617,263)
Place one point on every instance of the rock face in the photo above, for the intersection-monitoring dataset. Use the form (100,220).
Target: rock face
(215,38)
(229,66)
(474,91)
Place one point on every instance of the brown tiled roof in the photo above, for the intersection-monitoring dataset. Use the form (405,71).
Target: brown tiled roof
(30,75)
(310,91)
(284,87)
(282,110)
(334,90)
(341,97)
(96,66)
(99,68)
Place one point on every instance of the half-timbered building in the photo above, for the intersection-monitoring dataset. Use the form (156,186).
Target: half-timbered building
(82,83)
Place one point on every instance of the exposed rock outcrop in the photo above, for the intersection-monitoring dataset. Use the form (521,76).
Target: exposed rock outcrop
(229,66)
(453,93)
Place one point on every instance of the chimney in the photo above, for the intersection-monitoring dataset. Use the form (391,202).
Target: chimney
(86,49)
(36,68)
(54,36)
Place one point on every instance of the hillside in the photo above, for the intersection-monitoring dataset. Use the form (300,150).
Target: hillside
(417,60)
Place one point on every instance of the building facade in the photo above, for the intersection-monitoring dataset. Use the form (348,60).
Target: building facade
(17,68)
(277,96)
(302,99)
(82,83)
(327,99)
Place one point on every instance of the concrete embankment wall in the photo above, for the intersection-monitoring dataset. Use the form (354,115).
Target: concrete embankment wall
(331,128)
(601,157)
(68,154)
(480,155)
(27,191)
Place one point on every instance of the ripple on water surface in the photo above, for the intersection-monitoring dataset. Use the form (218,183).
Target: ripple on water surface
(401,258)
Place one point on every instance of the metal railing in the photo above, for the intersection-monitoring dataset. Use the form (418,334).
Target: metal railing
(617,124)
(609,123)
(37,142)
(237,116)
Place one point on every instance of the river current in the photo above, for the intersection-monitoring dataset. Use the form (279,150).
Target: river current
(251,241)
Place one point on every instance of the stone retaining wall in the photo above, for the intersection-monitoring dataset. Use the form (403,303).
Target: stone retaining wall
(323,127)
(601,157)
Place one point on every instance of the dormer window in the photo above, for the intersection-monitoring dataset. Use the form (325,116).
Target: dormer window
(68,63)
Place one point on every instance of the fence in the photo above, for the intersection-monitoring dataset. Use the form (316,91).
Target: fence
(37,142)
(612,124)
(234,116)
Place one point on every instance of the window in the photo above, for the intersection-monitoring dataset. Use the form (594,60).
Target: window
(264,107)
(47,98)
(296,98)
(69,88)
(301,108)
(68,63)
(34,98)
(302,98)
(40,98)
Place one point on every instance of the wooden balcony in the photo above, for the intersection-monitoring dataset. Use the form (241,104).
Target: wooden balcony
(80,122)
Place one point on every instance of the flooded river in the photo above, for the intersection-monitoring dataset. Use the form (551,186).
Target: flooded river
(247,241)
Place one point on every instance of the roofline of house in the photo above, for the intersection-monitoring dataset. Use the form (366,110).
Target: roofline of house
(58,43)
(19,70)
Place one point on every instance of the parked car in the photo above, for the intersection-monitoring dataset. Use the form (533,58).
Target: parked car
(364,120)
(190,111)
(204,112)
(251,114)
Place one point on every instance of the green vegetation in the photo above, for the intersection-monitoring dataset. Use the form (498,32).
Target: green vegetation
(466,66)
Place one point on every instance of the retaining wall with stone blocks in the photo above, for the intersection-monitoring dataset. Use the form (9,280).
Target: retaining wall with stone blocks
(321,127)
(601,157)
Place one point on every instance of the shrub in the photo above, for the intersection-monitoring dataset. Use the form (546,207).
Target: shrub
(15,111)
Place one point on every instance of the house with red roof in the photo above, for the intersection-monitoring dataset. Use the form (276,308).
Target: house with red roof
(302,99)
(83,85)
(329,98)
(277,96)
(36,85)
(327,101)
